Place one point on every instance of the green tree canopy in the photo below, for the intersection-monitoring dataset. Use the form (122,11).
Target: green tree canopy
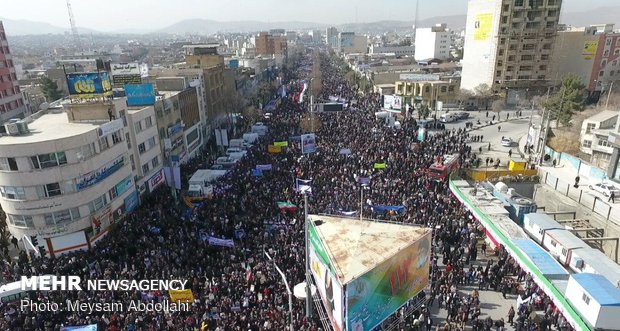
(423,111)
(50,89)
(568,100)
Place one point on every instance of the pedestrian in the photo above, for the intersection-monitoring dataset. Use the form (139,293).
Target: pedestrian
(493,118)
(480,149)
(612,197)
(487,114)
(510,153)
(511,315)
(499,128)
(489,148)
(14,241)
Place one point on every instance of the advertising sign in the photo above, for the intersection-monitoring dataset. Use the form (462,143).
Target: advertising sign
(131,201)
(100,174)
(589,49)
(394,102)
(118,213)
(330,290)
(122,80)
(374,296)
(125,69)
(90,327)
(419,77)
(89,85)
(140,94)
(181,295)
(157,179)
(308,143)
(110,127)
(482,26)
(124,185)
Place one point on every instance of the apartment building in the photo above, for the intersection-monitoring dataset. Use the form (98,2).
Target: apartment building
(432,43)
(11,101)
(509,44)
(268,44)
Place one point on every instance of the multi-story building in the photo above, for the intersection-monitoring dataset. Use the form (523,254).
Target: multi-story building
(267,44)
(146,157)
(348,42)
(594,137)
(592,53)
(433,42)
(66,171)
(205,57)
(427,89)
(392,50)
(331,37)
(11,101)
(508,44)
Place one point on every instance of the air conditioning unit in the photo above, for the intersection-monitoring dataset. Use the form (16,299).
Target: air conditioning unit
(12,129)
(22,127)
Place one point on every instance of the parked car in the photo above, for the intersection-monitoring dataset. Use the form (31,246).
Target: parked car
(506,142)
(462,115)
(471,107)
(605,189)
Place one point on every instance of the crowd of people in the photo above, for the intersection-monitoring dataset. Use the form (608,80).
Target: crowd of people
(237,288)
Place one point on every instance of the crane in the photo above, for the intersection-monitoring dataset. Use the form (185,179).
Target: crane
(74,30)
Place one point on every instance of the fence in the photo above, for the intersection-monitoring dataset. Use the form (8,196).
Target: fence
(579,194)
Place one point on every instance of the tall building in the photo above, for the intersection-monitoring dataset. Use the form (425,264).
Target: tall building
(205,57)
(348,42)
(331,37)
(592,53)
(11,101)
(267,44)
(432,43)
(508,44)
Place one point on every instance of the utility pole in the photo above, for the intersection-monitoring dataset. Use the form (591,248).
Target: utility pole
(288,289)
(307,229)
(543,132)
(609,94)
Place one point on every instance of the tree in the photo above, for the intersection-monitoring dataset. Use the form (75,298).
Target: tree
(568,100)
(50,89)
(424,111)
(498,105)
(463,95)
(483,93)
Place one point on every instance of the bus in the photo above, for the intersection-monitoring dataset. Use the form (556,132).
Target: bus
(441,169)
(12,292)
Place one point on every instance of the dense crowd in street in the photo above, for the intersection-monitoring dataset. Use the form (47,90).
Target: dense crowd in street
(238,288)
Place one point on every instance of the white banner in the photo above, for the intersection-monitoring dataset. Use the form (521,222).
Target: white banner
(125,69)
(110,127)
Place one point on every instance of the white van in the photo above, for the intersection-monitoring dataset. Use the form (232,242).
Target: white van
(448,117)
(237,143)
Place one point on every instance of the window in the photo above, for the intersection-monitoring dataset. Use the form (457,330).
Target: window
(23,221)
(86,151)
(133,163)
(587,144)
(97,204)
(8,164)
(43,161)
(103,143)
(123,116)
(113,194)
(50,190)
(63,216)
(585,299)
(141,148)
(128,140)
(148,122)
(603,142)
(589,127)
(155,162)
(138,126)
(13,192)
(145,168)
(151,142)
(116,137)
(564,251)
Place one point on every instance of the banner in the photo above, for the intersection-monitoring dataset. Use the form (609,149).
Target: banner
(308,143)
(257,173)
(329,289)
(589,49)
(125,69)
(345,151)
(181,295)
(281,143)
(264,167)
(140,94)
(380,165)
(221,137)
(483,26)
(377,294)
(89,85)
(100,174)
(124,185)
(394,102)
(286,206)
(213,241)
(421,134)
(274,149)
(157,179)
(303,185)
(110,127)
(90,327)
(131,201)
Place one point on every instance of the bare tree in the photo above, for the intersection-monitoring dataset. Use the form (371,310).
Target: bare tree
(484,93)
(464,95)
(498,105)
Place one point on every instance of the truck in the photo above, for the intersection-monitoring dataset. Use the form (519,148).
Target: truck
(448,117)
(201,182)
(250,138)
(237,143)
(441,169)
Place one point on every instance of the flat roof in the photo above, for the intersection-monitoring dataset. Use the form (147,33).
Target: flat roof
(356,247)
(547,265)
(602,116)
(600,262)
(544,221)
(600,288)
(49,127)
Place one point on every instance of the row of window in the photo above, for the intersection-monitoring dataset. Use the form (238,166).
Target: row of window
(11,106)
(143,124)
(147,145)
(601,142)
(49,160)
(150,165)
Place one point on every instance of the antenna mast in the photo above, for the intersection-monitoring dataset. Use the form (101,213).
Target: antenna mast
(74,30)
(415,23)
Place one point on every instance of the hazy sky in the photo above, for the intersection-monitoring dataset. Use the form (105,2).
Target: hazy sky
(112,15)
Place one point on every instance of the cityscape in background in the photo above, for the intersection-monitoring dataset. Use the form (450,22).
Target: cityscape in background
(94,126)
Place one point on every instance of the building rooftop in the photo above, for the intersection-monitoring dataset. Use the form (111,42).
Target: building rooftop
(544,221)
(566,238)
(356,247)
(599,287)
(600,262)
(547,265)
(49,127)
(602,116)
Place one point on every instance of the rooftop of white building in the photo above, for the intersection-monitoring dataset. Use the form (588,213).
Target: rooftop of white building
(49,127)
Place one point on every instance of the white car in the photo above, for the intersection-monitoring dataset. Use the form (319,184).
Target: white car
(605,189)
(506,142)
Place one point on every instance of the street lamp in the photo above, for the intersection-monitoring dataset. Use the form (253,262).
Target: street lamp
(288,289)
(306,229)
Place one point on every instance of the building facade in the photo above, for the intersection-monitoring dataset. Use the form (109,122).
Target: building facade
(268,44)
(331,37)
(594,137)
(146,157)
(508,44)
(428,92)
(432,43)
(392,50)
(11,101)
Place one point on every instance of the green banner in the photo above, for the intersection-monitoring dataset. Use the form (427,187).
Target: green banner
(380,165)
(319,248)
(281,143)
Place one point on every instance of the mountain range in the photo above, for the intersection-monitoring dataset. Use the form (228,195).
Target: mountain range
(205,26)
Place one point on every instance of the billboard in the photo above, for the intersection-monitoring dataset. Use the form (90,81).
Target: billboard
(330,290)
(100,174)
(110,127)
(157,179)
(308,143)
(131,201)
(140,94)
(482,26)
(377,294)
(589,49)
(89,85)
(125,69)
(394,102)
